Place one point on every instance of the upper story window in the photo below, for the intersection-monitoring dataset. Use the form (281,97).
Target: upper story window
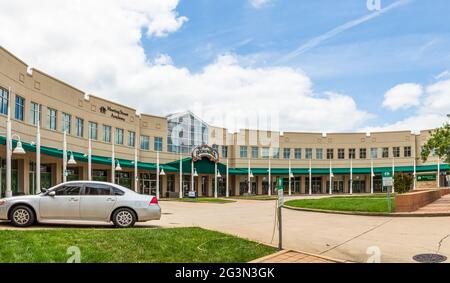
(93,130)
(298,153)
(352,153)
(185,131)
(385,152)
(407,151)
(374,153)
(308,153)
(158,143)
(255,152)
(119,136)
(396,152)
(224,151)
(330,153)
(275,153)
(79,125)
(265,153)
(20,104)
(215,147)
(287,153)
(341,153)
(145,142)
(243,152)
(51,118)
(35,113)
(362,153)
(66,119)
(106,133)
(3,101)
(319,153)
(131,138)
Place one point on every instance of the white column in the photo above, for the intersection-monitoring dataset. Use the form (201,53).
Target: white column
(249,180)
(331,179)
(181,175)
(90,160)
(113,164)
(310,177)
(371,176)
(227,192)
(157,175)
(38,156)
(215,180)
(351,176)
(415,174)
(136,175)
(289,176)
(65,157)
(270,177)
(438,179)
(8,192)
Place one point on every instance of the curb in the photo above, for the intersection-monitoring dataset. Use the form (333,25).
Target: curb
(374,214)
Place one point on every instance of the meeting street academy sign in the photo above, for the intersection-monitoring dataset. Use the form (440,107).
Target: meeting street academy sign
(203,151)
(115,113)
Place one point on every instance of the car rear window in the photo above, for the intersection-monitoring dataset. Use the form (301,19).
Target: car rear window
(118,192)
(97,190)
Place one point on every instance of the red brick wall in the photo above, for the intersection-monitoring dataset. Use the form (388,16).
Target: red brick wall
(413,201)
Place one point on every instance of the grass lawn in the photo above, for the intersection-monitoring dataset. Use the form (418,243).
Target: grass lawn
(178,245)
(211,200)
(373,203)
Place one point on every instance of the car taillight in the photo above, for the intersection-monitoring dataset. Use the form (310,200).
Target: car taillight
(154,201)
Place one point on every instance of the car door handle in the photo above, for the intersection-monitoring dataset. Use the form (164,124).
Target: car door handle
(110,199)
(73,199)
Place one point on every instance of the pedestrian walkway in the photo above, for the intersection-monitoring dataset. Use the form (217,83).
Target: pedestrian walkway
(288,256)
(442,205)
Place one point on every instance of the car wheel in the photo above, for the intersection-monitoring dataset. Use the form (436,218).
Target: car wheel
(22,216)
(124,218)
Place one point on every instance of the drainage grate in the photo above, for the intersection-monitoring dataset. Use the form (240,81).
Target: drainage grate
(430,258)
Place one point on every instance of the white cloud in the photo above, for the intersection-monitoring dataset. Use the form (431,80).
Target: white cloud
(403,96)
(96,46)
(259,3)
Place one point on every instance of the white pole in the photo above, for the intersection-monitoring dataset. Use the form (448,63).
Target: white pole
(227,193)
(157,175)
(371,176)
(136,175)
(249,191)
(438,179)
(351,176)
(38,156)
(415,174)
(270,177)
(181,175)
(215,180)
(393,173)
(8,192)
(310,176)
(113,164)
(90,160)
(65,157)
(290,190)
(192,175)
(331,179)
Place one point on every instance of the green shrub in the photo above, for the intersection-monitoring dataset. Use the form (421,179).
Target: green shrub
(403,183)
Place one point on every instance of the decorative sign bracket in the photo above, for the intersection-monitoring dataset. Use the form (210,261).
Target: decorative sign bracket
(203,151)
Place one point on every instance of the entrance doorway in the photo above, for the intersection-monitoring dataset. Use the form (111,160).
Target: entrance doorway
(204,186)
(316,185)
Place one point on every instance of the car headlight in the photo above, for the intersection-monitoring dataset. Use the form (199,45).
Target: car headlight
(2,201)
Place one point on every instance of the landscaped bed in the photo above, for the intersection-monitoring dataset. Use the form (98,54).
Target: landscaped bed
(371,204)
(183,245)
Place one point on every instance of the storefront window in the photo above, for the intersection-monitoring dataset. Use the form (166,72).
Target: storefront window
(99,175)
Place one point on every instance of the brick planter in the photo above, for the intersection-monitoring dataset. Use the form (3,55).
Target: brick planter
(413,201)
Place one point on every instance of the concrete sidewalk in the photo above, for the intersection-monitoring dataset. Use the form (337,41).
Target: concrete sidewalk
(442,205)
(288,256)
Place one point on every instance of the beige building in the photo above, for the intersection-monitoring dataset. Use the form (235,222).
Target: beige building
(354,161)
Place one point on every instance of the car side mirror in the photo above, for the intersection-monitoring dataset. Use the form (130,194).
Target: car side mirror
(52,193)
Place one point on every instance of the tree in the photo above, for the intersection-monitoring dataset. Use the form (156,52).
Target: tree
(438,143)
(403,183)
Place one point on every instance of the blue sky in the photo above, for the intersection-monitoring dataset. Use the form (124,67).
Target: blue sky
(410,43)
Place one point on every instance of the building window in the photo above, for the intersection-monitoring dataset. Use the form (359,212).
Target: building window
(145,142)
(308,153)
(3,101)
(243,152)
(79,124)
(298,153)
(352,153)
(35,113)
(20,103)
(51,118)
(385,152)
(396,152)
(255,152)
(106,133)
(330,153)
(362,153)
(265,152)
(374,153)
(276,153)
(93,130)
(131,138)
(341,153)
(158,143)
(407,151)
(319,153)
(215,147)
(224,151)
(119,136)
(287,153)
(66,119)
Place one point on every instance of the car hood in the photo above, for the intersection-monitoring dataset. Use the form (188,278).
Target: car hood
(27,197)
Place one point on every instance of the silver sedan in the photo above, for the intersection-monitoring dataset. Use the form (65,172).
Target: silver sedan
(81,200)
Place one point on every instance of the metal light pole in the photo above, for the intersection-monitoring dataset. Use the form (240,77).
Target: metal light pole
(393,173)
(331,179)
(38,155)
(113,163)
(310,176)
(249,180)
(270,177)
(351,176)
(415,174)
(227,193)
(290,176)
(8,192)
(192,175)
(65,157)
(157,175)
(438,179)
(136,175)
(372,174)
(90,159)
(215,180)
(181,175)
